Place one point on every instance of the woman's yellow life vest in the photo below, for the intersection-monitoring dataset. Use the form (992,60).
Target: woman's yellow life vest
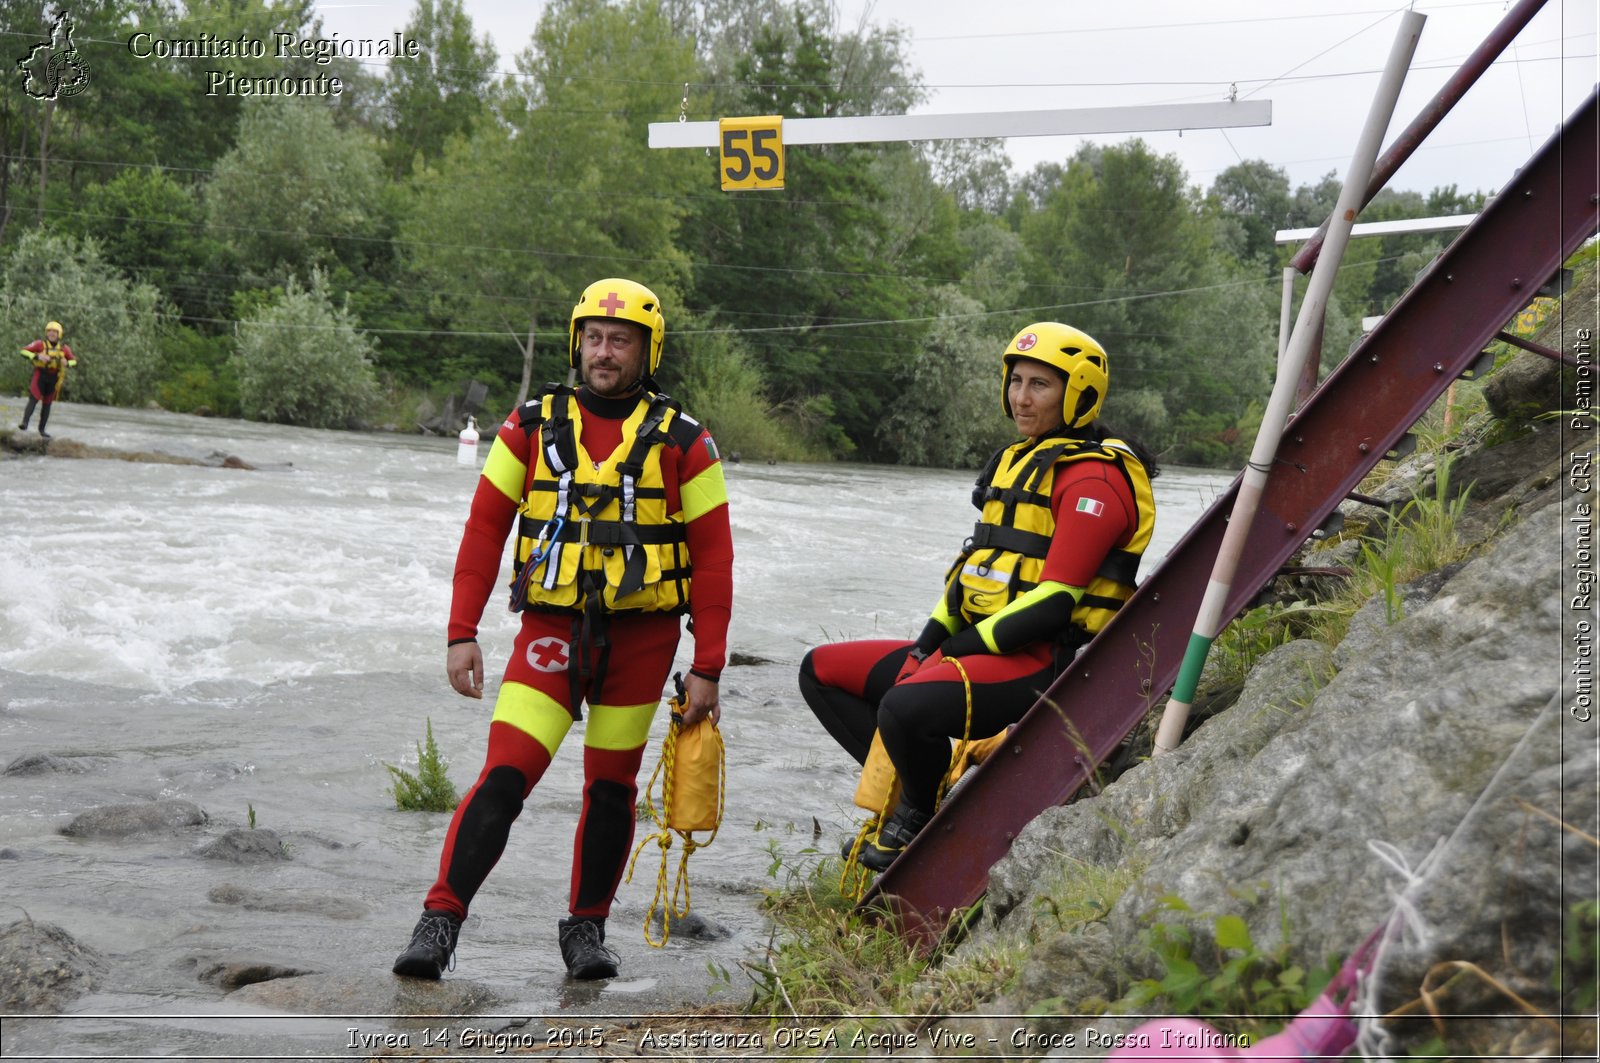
(1005,556)
(599,535)
(53,357)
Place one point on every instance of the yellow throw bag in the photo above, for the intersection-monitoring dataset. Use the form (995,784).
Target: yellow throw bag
(693,779)
(695,800)
(879,786)
(877,791)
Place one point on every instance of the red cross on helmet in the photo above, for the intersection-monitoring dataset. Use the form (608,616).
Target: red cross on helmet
(1076,355)
(620,300)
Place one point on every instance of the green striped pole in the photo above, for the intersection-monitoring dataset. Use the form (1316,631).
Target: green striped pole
(1211,618)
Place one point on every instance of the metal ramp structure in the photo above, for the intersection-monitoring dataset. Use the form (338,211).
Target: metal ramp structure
(1359,414)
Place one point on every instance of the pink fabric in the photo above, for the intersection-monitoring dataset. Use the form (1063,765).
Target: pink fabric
(1322,1031)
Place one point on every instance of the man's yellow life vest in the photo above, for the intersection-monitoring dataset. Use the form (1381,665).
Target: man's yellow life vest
(1006,553)
(598,535)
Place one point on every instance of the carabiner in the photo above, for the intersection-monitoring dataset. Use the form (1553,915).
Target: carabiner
(541,544)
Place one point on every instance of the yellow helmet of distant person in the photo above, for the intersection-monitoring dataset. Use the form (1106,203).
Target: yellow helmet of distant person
(1076,355)
(53,325)
(622,300)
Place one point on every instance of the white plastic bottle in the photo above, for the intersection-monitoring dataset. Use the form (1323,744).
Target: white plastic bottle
(467,447)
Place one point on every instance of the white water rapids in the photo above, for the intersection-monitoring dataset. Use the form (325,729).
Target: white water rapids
(266,641)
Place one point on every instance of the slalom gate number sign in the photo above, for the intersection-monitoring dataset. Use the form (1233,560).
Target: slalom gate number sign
(752,152)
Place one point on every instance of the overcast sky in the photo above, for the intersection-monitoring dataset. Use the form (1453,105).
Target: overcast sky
(1317,61)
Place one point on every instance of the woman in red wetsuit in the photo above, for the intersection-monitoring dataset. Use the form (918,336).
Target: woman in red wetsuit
(50,358)
(1065,515)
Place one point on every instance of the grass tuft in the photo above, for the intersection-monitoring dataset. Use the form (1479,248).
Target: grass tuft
(429,790)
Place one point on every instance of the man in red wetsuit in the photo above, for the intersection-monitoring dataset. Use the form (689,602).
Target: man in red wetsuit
(621,527)
(1064,517)
(50,358)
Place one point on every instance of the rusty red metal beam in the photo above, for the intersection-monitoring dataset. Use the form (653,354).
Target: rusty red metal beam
(1433,334)
(1537,348)
(1449,94)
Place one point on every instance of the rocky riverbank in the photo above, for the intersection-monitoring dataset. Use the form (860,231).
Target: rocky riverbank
(1435,772)
(15,443)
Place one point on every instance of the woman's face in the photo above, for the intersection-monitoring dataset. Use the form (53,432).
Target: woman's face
(1035,392)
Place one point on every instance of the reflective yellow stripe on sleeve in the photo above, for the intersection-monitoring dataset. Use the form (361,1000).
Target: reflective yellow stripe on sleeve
(704,493)
(505,471)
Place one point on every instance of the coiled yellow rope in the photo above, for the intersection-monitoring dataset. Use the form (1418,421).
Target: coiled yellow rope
(666,770)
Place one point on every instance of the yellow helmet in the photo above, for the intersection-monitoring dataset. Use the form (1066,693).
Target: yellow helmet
(625,300)
(53,325)
(1076,355)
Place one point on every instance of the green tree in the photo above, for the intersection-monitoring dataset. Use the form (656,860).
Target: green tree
(993,265)
(442,92)
(559,190)
(1312,204)
(112,324)
(31,129)
(295,191)
(809,273)
(302,360)
(1116,242)
(1217,392)
(719,381)
(948,410)
(176,123)
(136,108)
(1252,197)
(149,226)
(976,172)
(1398,259)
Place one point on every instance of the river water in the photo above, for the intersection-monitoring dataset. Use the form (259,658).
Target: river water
(264,642)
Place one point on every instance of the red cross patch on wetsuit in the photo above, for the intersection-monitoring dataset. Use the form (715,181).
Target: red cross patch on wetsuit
(548,655)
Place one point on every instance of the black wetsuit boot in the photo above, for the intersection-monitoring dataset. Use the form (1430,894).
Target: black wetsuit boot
(583,949)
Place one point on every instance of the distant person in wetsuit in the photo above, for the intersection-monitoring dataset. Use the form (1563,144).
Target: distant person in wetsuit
(50,358)
(1066,514)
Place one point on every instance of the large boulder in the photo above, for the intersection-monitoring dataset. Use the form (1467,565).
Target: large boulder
(256,845)
(43,968)
(50,764)
(123,821)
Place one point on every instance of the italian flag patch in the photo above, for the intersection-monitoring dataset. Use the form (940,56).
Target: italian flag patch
(1091,507)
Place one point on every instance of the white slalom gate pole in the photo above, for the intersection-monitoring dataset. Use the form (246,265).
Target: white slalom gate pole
(1209,623)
